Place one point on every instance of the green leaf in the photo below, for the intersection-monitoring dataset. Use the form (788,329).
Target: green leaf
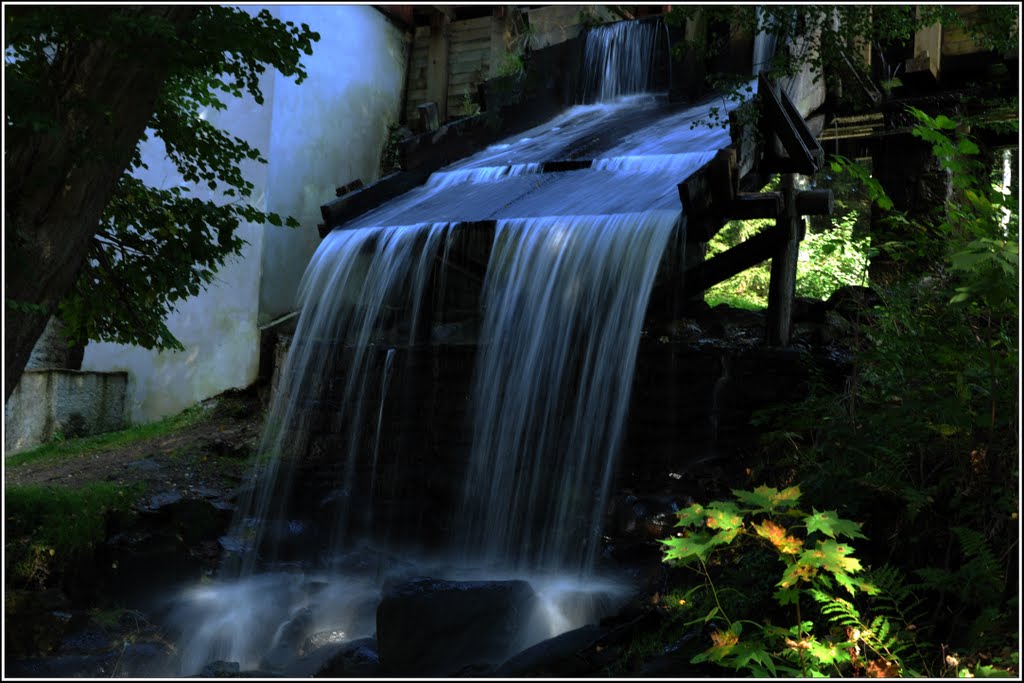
(831,556)
(692,515)
(724,517)
(687,548)
(829,524)
(768,499)
(787,596)
(989,671)
(966,146)
(944,122)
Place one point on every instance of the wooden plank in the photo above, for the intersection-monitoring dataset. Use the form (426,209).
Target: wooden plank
(471,24)
(721,267)
(437,73)
(783,120)
(470,52)
(484,32)
(460,81)
(470,68)
(468,60)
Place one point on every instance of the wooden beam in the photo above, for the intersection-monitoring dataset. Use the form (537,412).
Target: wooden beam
(706,193)
(721,267)
(927,50)
(748,205)
(437,64)
(781,117)
(447,11)
(814,203)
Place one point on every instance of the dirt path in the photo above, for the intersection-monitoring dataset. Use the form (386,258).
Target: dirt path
(210,454)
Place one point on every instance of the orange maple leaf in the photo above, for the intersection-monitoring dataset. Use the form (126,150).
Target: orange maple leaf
(776,535)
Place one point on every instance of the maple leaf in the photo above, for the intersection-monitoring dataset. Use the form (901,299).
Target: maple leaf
(829,523)
(687,548)
(692,515)
(799,571)
(776,535)
(726,518)
(787,596)
(723,640)
(768,499)
(831,556)
(882,669)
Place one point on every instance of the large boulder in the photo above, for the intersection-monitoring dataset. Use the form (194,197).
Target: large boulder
(432,627)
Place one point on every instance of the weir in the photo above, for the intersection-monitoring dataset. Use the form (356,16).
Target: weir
(557,237)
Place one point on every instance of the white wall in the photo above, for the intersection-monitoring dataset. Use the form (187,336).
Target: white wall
(327,131)
(315,136)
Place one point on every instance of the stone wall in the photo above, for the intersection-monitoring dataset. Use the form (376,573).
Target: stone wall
(47,403)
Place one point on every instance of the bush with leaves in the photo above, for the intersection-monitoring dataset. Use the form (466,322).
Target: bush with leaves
(816,563)
(922,443)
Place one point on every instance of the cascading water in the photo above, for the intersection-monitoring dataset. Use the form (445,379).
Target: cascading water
(565,299)
(574,258)
(617,60)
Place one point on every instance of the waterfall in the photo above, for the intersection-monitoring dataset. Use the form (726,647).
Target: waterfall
(353,287)
(618,59)
(573,261)
(565,299)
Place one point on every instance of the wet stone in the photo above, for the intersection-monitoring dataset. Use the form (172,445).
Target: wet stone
(162,500)
(434,627)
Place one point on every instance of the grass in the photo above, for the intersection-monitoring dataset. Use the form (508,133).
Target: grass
(749,302)
(102,442)
(48,527)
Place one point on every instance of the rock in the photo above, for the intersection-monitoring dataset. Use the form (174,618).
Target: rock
(144,660)
(289,640)
(163,500)
(558,656)
(322,639)
(808,310)
(220,669)
(35,622)
(70,666)
(852,301)
(353,659)
(432,627)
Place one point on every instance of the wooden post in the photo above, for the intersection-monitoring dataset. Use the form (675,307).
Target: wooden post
(437,64)
(782,288)
(927,50)
(499,32)
(429,120)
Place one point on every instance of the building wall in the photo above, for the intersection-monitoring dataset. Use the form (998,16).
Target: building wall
(328,131)
(315,136)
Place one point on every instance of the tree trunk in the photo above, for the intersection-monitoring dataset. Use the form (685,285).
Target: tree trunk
(58,183)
